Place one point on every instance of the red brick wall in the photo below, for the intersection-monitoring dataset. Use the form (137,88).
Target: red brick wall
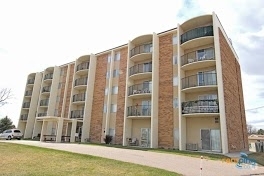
(62,89)
(165,116)
(121,97)
(98,99)
(69,89)
(233,95)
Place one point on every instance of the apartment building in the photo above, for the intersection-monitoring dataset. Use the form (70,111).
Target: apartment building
(179,89)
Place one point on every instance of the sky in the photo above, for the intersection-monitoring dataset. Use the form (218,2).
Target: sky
(35,35)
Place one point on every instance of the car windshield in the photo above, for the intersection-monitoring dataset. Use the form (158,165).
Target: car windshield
(16,131)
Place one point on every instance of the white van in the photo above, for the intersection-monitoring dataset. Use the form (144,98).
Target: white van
(11,134)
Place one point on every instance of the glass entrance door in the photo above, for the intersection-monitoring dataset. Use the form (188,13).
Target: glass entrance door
(206,139)
(211,139)
(145,137)
(216,140)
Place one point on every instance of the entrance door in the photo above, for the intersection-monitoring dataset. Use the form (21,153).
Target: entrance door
(145,137)
(216,140)
(206,139)
(211,139)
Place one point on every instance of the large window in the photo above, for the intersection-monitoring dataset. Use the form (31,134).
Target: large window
(175,103)
(113,107)
(175,81)
(109,58)
(115,73)
(174,40)
(117,56)
(114,90)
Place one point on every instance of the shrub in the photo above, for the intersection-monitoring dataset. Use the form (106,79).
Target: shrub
(108,139)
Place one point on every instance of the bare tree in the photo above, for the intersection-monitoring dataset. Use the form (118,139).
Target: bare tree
(251,129)
(5,95)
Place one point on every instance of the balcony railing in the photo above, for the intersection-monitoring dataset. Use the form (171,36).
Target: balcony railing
(30,81)
(26,105)
(196,56)
(203,79)
(48,76)
(24,117)
(200,106)
(46,89)
(80,81)
(197,33)
(145,48)
(44,102)
(78,97)
(77,114)
(28,93)
(140,110)
(140,88)
(42,114)
(140,68)
(83,66)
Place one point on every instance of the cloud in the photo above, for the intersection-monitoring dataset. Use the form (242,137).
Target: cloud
(256,121)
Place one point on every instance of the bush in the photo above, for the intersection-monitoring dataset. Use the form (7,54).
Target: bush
(108,139)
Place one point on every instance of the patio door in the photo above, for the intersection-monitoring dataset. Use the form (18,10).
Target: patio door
(211,139)
(145,137)
(146,107)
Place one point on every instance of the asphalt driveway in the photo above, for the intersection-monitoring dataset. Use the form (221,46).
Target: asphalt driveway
(181,164)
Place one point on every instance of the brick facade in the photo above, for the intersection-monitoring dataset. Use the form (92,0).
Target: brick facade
(69,89)
(121,97)
(165,117)
(98,99)
(233,95)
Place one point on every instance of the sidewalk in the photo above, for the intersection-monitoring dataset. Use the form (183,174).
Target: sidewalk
(181,164)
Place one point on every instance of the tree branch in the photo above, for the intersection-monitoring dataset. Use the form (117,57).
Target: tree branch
(5,95)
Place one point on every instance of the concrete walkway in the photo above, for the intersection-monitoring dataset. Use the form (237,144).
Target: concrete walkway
(181,164)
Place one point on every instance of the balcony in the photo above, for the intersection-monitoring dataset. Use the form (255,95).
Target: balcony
(80,83)
(24,117)
(28,93)
(78,98)
(48,76)
(46,89)
(139,111)
(198,59)
(26,105)
(42,114)
(140,90)
(44,102)
(200,107)
(197,33)
(202,81)
(141,71)
(30,81)
(82,66)
(140,52)
(77,114)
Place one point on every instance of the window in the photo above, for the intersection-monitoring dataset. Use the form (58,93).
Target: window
(106,91)
(107,74)
(17,131)
(113,107)
(109,58)
(115,73)
(175,40)
(105,108)
(175,81)
(175,61)
(59,86)
(56,112)
(58,99)
(62,72)
(175,103)
(111,132)
(117,56)
(114,90)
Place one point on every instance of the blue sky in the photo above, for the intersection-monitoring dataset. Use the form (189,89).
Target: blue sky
(35,35)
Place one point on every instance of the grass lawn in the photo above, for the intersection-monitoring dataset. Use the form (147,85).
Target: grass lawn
(18,160)
(259,157)
(195,154)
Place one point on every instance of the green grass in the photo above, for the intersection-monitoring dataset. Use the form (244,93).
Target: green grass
(195,154)
(23,160)
(259,157)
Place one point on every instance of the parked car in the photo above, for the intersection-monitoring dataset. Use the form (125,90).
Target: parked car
(11,134)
